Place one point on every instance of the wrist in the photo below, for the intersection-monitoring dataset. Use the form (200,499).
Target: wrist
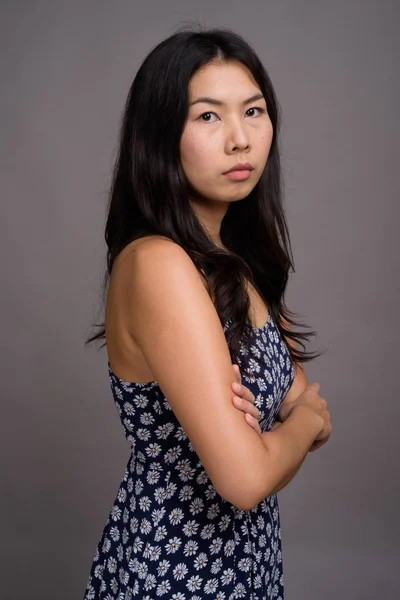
(309,414)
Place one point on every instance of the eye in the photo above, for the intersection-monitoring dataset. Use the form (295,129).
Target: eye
(207,114)
(260,110)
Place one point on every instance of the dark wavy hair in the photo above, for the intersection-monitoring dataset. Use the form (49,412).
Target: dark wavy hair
(150,192)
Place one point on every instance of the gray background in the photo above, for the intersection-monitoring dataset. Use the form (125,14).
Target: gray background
(66,68)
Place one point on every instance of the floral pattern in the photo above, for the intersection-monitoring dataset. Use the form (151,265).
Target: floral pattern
(169,533)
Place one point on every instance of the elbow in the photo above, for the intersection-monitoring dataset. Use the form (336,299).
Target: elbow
(246,500)
(248,491)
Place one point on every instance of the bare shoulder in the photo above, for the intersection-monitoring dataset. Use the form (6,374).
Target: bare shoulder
(150,258)
(161,273)
(151,248)
(148,241)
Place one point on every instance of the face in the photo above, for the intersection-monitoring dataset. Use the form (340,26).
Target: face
(227,123)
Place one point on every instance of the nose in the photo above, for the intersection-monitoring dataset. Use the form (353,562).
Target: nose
(237,137)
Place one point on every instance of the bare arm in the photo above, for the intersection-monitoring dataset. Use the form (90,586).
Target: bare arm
(178,330)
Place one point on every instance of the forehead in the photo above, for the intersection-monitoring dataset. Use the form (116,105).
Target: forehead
(223,80)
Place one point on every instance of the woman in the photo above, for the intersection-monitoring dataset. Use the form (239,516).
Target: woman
(198,263)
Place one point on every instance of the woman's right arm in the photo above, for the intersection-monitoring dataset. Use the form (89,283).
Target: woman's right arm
(176,326)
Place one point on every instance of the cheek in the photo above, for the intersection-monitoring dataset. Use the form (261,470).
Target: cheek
(265,140)
(197,154)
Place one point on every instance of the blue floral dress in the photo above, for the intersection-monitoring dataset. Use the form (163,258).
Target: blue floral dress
(169,533)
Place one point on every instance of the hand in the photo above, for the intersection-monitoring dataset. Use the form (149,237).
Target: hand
(244,400)
(311,399)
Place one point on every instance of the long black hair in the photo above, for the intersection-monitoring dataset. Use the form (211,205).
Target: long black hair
(150,192)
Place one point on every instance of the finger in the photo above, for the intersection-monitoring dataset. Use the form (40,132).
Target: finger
(316,445)
(315,386)
(253,423)
(237,373)
(243,392)
(248,395)
(246,406)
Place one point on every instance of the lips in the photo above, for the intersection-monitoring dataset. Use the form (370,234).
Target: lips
(241,167)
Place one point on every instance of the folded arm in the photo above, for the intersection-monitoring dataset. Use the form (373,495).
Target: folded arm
(175,323)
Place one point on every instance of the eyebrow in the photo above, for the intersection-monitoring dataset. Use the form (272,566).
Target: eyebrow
(208,100)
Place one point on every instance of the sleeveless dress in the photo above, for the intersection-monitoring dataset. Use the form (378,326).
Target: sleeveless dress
(169,533)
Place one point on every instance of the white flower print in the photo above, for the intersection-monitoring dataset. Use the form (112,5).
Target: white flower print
(150,582)
(132,505)
(112,565)
(138,487)
(173,545)
(120,553)
(227,576)
(142,570)
(145,503)
(145,526)
(239,591)
(128,408)
(200,561)
(172,454)
(157,407)
(224,522)
(216,545)
(190,528)
(115,513)
(163,587)
(137,545)
(147,419)
(128,549)
(141,401)
(216,566)
(153,477)
(153,449)
(229,548)
(186,493)
(98,571)
(194,583)
(244,564)
(180,571)
(190,548)
(134,524)
(114,585)
(158,514)
(170,490)
(143,434)
(185,471)
(163,431)
(163,567)
(114,534)
(202,478)
(207,531)
(128,424)
(176,515)
(180,434)
(196,506)
(211,586)
(159,495)
(161,533)
(213,511)
(210,493)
